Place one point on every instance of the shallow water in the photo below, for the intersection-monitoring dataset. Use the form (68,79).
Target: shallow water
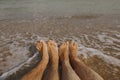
(100,46)
(29,9)
(99,42)
(94,24)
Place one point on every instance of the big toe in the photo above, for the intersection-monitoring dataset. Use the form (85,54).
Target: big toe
(75,44)
(63,45)
(72,43)
(39,45)
(52,43)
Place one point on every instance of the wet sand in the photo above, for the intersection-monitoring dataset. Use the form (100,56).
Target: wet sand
(73,25)
(100,32)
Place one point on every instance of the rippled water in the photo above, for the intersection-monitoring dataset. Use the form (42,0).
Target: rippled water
(28,9)
(101,47)
(94,24)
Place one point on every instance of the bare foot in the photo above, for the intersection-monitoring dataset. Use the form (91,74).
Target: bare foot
(83,71)
(42,47)
(67,71)
(37,72)
(53,51)
(39,45)
(52,72)
(73,49)
(64,52)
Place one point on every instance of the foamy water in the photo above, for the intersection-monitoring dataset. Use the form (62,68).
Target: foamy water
(14,70)
(90,52)
(93,24)
(16,48)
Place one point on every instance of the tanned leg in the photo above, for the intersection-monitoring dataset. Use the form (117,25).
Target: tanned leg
(37,72)
(52,72)
(67,72)
(83,71)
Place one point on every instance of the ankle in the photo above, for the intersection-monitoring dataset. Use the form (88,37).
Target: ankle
(73,53)
(54,62)
(73,57)
(66,62)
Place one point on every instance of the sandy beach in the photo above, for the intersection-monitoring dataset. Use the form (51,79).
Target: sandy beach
(98,34)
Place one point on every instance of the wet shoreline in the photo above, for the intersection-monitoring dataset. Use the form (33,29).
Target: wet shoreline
(97,35)
(72,25)
(93,24)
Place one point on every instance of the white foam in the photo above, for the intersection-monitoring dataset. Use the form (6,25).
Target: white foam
(108,39)
(104,38)
(14,49)
(6,74)
(18,51)
(89,52)
(118,35)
